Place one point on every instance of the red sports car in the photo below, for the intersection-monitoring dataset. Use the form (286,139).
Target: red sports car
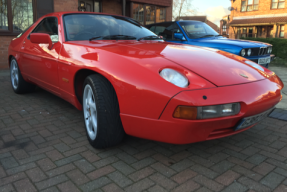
(129,81)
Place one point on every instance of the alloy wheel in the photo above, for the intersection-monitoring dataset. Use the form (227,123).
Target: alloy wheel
(14,74)
(90,112)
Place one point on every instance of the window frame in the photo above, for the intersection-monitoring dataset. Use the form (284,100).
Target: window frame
(277,4)
(10,32)
(280,31)
(144,6)
(248,4)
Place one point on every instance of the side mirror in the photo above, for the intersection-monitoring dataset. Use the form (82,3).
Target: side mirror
(41,38)
(179,36)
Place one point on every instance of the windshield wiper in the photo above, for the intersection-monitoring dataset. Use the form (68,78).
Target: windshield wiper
(207,36)
(119,37)
(95,38)
(149,37)
(218,35)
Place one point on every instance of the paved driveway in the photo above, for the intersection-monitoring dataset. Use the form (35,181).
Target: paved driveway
(43,147)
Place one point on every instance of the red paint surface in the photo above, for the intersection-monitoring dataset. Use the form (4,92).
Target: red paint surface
(146,100)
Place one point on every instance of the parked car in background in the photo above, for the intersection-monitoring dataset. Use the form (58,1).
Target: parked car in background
(200,34)
(129,81)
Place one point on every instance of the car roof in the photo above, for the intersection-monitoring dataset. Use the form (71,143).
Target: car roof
(79,12)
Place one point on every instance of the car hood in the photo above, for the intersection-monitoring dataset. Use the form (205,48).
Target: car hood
(218,42)
(218,67)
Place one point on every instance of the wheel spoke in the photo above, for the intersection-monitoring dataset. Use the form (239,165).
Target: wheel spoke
(15,82)
(90,125)
(95,124)
(93,106)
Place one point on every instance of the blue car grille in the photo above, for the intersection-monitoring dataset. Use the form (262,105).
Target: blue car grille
(259,51)
(263,51)
(255,51)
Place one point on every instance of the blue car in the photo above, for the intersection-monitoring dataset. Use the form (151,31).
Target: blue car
(200,34)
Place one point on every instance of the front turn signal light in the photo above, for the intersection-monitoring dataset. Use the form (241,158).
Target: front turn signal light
(185,112)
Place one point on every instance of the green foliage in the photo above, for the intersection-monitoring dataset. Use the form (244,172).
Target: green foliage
(279,45)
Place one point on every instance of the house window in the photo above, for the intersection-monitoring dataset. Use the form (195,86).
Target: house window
(148,14)
(138,13)
(16,16)
(224,28)
(244,32)
(249,5)
(282,27)
(278,4)
(160,14)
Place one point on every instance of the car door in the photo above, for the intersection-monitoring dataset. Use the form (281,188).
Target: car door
(40,61)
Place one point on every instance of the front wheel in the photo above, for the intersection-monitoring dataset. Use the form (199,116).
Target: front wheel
(101,112)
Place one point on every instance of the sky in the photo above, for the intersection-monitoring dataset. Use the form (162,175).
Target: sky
(214,9)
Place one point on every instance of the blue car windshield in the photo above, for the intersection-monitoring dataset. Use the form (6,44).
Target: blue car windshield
(196,30)
(97,27)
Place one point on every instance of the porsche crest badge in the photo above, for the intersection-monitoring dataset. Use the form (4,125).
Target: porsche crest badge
(243,75)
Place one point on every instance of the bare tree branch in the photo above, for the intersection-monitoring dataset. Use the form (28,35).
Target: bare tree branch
(182,8)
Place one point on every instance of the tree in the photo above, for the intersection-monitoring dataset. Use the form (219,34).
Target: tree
(182,8)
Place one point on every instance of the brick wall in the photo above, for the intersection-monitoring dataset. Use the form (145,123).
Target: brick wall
(112,7)
(4,44)
(165,3)
(169,14)
(264,8)
(65,5)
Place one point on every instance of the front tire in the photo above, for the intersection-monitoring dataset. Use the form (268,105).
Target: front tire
(101,112)
(19,85)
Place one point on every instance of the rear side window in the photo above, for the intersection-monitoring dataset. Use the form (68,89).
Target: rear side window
(167,31)
(152,29)
(48,25)
(159,29)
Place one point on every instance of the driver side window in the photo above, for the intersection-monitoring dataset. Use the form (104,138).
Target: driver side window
(48,25)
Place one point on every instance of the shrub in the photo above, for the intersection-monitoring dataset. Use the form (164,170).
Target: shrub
(279,45)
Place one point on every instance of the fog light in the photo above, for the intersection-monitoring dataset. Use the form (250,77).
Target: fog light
(215,111)
(185,112)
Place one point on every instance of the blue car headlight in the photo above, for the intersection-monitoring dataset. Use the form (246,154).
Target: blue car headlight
(249,52)
(243,52)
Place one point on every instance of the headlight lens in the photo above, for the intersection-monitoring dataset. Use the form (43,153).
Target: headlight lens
(174,77)
(243,52)
(269,50)
(249,52)
(215,111)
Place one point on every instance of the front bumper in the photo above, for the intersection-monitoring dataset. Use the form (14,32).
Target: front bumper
(255,59)
(255,98)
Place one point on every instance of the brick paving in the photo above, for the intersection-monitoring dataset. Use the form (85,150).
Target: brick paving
(43,147)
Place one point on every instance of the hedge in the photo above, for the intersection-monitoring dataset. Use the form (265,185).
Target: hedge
(279,45)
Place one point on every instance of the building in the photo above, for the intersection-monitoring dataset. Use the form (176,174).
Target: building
(258,18)
(200,18)
(17,15)
(224,26)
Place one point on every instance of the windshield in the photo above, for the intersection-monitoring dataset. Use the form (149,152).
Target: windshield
(196,30)
(92,26)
